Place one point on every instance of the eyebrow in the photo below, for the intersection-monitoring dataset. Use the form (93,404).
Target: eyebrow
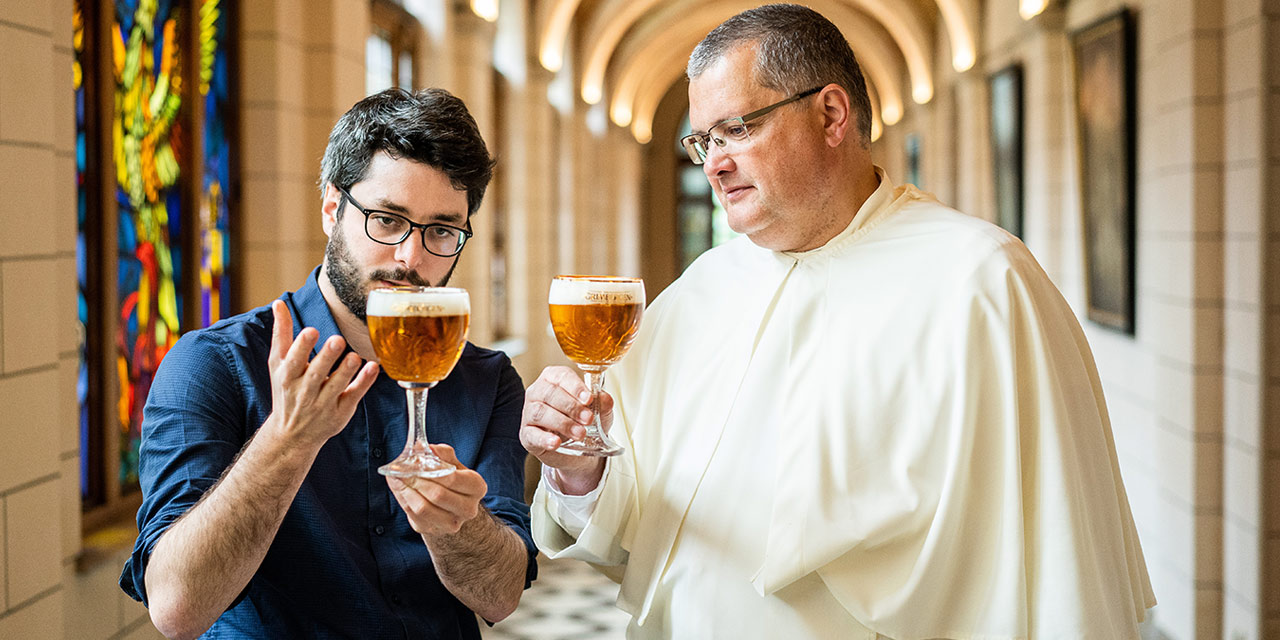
(708,129)
(455,219)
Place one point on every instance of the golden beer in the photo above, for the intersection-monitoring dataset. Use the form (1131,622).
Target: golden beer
(595,319)
(418,332)
(596,335)
(418,348)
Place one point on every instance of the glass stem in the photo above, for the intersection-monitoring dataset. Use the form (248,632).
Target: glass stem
(417,438)
(595,380)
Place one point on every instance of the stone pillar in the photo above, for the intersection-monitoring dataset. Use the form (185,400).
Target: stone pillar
(1250,115)
(628,156)
(302,66)
(1049,230)
(473,81)
(39,464)
(527,180)
(1179,320)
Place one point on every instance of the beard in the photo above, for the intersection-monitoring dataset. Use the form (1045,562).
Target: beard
(351,287)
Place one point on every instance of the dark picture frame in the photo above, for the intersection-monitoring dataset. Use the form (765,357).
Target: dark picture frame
(1104,66)
(1006,123)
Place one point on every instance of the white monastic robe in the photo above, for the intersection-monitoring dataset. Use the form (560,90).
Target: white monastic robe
(901,432)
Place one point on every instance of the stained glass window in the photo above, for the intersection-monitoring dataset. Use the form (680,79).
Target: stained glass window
(215,223)
(147,137)
(79,44)
(163,236)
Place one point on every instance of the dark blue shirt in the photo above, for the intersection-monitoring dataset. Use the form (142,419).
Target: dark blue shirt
(345,562)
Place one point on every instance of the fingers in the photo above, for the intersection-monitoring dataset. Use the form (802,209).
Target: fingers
(281,331)
(445,452)
(606,411)
(442,503)
(538,440)
(556,406)
(424,517)
(317,372)
(295,360)
(359,385)
(570,381)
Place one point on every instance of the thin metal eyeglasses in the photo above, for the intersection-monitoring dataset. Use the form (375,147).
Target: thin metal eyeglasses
(733,130)
(389,228)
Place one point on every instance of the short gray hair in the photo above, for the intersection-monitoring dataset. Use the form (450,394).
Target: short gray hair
(796,49)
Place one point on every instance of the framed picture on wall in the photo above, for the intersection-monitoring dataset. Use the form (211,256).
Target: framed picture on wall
(1006,146)
(1104,70)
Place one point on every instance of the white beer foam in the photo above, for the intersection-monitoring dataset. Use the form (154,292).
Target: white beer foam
(596,291)
(423,302)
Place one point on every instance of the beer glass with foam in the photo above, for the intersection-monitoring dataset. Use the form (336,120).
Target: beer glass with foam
(418,334)
(595,319)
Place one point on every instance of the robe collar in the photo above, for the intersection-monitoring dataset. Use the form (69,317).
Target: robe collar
(867,218)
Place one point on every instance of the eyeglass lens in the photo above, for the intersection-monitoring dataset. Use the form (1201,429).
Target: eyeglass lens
(393,229)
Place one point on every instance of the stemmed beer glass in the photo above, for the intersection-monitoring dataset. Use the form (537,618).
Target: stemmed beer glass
(418,334)
(595,319)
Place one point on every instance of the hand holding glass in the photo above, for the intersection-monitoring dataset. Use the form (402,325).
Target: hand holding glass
(418,334)
(595,319)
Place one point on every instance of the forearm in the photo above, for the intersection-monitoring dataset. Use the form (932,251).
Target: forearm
(483,565)
(208,556)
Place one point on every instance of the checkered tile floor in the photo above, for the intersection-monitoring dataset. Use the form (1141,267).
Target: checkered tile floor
(568,601)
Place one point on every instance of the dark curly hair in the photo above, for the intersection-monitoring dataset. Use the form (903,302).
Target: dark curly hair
(431,126)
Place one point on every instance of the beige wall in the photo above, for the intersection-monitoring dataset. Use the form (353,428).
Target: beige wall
(301,66)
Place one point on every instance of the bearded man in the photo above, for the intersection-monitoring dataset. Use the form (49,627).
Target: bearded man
(263,514)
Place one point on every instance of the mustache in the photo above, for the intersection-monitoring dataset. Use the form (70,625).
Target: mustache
(400,275)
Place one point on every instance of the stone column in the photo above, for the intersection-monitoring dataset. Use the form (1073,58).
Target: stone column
(39,464)
(473,81)
(302,66)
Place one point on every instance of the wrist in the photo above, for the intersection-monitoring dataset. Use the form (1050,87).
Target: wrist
(276,440)
(468,529)
(579,481)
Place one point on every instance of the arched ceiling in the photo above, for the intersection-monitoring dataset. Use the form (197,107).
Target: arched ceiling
(603,26)
(646,65)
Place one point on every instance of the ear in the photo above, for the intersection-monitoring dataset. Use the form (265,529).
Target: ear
(838,119)
(329,209)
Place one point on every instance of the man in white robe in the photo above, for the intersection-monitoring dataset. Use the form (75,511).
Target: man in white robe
(873,416)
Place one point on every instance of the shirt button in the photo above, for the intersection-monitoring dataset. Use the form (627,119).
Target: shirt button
(379,530)
(395,599)
(377,453)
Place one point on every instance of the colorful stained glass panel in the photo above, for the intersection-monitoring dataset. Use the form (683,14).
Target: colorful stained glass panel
(215,221)
(147,140)
(82,200)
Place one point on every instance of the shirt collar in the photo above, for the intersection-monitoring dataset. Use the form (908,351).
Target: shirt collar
(310,309)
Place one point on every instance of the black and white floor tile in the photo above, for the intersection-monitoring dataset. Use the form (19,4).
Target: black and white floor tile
(568,601)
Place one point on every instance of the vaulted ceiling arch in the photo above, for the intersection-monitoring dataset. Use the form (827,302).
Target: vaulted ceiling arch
(649,63)
(610,21)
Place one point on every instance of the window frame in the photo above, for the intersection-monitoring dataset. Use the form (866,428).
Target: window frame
(108,502)
(401,30)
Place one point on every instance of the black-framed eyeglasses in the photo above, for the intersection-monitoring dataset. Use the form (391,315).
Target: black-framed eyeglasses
(730,134)
(385,227)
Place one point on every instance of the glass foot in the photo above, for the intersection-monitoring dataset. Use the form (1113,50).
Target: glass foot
(592,446)
(416,466)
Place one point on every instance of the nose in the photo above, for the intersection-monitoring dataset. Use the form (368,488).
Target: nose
(717,161)
(411,253)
